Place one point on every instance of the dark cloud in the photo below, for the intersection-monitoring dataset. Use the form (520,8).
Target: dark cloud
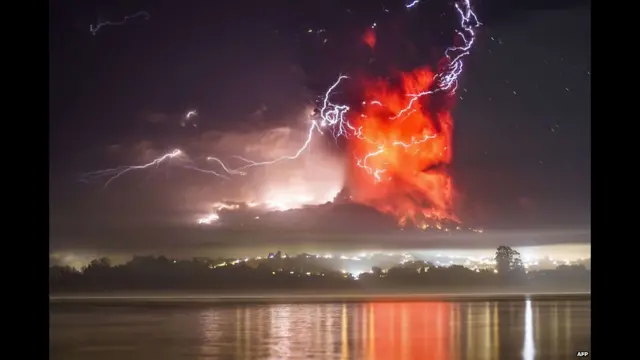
(327,227)
(193,240)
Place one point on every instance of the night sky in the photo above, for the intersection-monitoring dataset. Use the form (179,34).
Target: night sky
(252,71)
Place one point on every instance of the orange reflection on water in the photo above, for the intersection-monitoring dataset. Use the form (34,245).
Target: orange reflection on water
(400,330)
(409,331)
(464,330)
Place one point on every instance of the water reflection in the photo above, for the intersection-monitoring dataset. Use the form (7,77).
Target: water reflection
(411,330)
(528,352)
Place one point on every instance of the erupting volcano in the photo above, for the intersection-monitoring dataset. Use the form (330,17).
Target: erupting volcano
(401,148)
(399,131)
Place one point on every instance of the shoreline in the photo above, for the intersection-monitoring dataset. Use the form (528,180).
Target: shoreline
(159,298)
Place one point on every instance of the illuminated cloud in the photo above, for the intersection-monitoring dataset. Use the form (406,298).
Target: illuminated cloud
(314,178)
(191,189)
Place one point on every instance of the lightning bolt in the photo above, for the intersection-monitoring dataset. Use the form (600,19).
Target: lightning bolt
(229,171)
(95,28)
(251,163)
(333,116)
(446,79)
(206,171)
(187,118)
(214,215)
(115,173)
(206,220)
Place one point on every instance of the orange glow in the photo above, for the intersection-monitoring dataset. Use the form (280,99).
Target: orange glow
(401,151)
(423,323)
(369,38)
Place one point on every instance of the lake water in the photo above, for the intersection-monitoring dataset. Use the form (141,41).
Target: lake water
(474,330)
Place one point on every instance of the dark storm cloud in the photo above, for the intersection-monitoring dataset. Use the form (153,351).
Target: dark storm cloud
(327,227)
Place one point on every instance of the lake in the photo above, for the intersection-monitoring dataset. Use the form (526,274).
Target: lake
(442,330)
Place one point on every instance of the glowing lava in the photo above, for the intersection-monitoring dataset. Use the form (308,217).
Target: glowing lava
(402,150)
(369,38)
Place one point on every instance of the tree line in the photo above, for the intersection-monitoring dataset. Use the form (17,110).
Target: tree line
(280,273)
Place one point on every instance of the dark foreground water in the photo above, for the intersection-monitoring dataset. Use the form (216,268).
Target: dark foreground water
(523,329)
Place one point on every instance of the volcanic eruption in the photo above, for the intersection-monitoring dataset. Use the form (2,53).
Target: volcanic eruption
(401,150)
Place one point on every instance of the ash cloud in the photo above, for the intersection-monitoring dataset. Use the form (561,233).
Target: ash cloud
(188,241)
(183,189)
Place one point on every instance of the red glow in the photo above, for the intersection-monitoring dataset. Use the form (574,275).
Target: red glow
(401,159)
(369,38)
(411,330)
